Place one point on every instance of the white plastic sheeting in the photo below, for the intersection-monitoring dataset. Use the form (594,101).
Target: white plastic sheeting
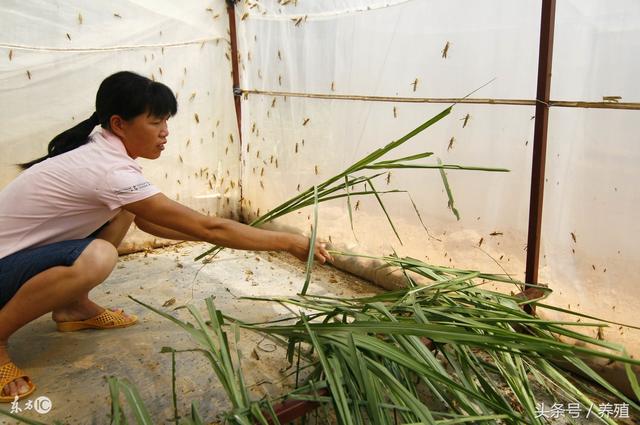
(590,227)
(405,49)
(596,50)
(397,48)
(54,54)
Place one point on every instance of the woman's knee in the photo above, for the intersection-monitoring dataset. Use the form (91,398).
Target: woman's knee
(97,261)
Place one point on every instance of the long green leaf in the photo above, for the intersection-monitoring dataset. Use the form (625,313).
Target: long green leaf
(633,380)
(117,416)
(135,402)
(346,188)
(335,383)
(406,158)
(174,395)
(312,243)
(440,167)
(445,182)
(195,415)
(384,210)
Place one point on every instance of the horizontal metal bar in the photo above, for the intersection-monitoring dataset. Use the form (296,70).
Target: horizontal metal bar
(597,105)
(447,100)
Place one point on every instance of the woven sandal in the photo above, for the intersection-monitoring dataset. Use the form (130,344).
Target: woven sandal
(10,372)
(108,319)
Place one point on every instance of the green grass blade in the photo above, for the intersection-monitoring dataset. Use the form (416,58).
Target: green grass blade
(417,211)
(346,187)
(135,402)
(195,415)
(586,316)
(314,389)
(213,251)
(384,209)
(445,182)
(633,380)
(116,412)
(440,166)
(594,376)
(335,384)
(195,333)
(240,375)
(401,392)
(475,419)
(406,158)
(366,382)
(577,395)
(513,373)
(273,418)
(351,194)
(174,395)
(257,415)
(312,243)
(223,352)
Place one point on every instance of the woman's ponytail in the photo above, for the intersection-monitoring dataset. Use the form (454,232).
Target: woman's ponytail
(125,94)
(68,140)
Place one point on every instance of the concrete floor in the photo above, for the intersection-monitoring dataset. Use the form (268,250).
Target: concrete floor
(70,368)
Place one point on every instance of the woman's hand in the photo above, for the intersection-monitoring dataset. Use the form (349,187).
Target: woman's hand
(299,247)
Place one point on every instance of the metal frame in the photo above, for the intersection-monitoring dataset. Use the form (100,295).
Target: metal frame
(545,56)
(234,62)
(233,36)
(449,100)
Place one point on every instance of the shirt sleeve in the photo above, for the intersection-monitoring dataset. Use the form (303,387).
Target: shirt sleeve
(125,185)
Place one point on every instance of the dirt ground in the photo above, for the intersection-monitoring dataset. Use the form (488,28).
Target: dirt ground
(71,368)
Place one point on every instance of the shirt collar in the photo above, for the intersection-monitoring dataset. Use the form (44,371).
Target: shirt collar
(113,140)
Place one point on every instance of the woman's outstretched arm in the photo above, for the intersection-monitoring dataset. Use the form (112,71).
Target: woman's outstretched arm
(162,211)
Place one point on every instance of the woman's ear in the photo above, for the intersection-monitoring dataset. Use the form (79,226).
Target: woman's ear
(117,123)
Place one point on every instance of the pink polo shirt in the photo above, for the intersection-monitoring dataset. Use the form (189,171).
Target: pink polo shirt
(70,195)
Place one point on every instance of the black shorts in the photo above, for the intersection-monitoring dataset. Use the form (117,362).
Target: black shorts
(19,267)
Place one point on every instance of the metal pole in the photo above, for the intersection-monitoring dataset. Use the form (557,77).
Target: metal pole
(234,61)
(540,139)
(237,92)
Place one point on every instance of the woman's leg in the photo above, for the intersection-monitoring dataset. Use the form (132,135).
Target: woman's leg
(82,307)
(52,289)
(63,290)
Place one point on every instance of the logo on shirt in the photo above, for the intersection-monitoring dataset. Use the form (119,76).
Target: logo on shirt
(134,188)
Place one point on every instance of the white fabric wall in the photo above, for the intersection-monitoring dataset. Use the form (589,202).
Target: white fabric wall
(592,166)
(379,48)
(54,54)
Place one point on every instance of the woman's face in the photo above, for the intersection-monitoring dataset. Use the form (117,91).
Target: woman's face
(143,136)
